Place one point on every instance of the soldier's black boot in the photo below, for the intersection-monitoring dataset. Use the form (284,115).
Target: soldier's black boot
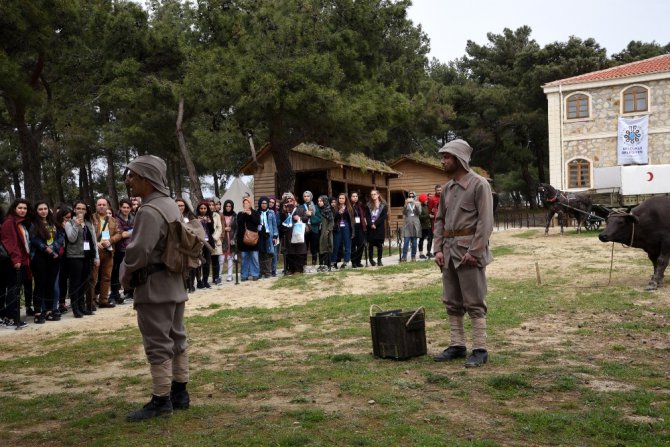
(477,358)
(451,353)
(179,396)
(157,406)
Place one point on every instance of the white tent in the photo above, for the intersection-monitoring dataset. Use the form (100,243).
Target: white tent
(236,192)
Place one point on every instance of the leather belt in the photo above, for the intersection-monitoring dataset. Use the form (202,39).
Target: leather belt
(459,232)
(153,268)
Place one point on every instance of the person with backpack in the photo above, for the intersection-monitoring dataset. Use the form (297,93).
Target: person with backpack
(159,296)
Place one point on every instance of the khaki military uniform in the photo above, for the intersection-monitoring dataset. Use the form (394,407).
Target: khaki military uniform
(160,301)
(465,206)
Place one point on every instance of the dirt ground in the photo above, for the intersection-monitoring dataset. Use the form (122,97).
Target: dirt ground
(561,260)
(556,257)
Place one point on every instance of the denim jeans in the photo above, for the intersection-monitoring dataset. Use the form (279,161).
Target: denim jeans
(250,265)
(275,258)
(405,245)
(341,237)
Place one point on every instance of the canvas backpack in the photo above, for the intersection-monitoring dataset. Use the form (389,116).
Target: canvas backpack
(185,240)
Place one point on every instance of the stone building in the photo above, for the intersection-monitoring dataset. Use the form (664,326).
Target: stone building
(583,117)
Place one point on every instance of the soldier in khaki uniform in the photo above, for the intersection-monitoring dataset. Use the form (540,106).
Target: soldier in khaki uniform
(463,226)
(159,294)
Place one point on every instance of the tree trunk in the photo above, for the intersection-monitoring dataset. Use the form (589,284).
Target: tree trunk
(196,189)
(280,147)
(176,172)
(30,152)
(17,185)
(89,170)
(216,185)
(59,176)
(83,181)
(111,180)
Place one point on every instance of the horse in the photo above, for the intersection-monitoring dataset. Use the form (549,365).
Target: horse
(564,204)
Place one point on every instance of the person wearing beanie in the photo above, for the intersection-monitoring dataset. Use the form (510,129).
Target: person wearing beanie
(463,226)
(160,295)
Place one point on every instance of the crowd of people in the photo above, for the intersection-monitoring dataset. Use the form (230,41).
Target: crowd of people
(75,251)
(67,252)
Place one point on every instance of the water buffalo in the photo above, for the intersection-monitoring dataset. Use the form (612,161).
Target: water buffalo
(647,227)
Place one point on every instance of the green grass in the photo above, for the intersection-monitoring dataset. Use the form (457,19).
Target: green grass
(304,375)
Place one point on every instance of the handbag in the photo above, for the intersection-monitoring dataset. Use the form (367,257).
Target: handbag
(250,237)
(298,234)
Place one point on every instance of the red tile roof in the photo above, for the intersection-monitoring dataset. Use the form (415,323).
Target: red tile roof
(658,64)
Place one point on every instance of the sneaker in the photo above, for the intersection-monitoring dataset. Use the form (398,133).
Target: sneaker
(4,322)
(21,325)
(422,256)
(62,309)
(451,353)
(40,319)
(477,358)
(229,278)
(107,305)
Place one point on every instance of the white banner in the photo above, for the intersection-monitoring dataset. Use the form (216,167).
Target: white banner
(632,141)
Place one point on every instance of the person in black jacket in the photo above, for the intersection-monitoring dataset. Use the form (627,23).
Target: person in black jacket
(248,219)
(376,214)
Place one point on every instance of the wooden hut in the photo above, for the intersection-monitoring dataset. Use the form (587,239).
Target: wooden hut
(322,170)
(419,173)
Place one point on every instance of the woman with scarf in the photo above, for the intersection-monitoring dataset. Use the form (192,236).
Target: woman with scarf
(343,229)
(217,231)
(187,216)
(325,233)
(267,236)
(15,270)
(248,220)
(229,236)
(312,211)
(47,245)
(272,205)
(81,252)
(204,215)
(294,221)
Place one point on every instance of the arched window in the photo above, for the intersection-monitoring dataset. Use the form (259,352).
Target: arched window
(577,106)
(579,173)
(635,99)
